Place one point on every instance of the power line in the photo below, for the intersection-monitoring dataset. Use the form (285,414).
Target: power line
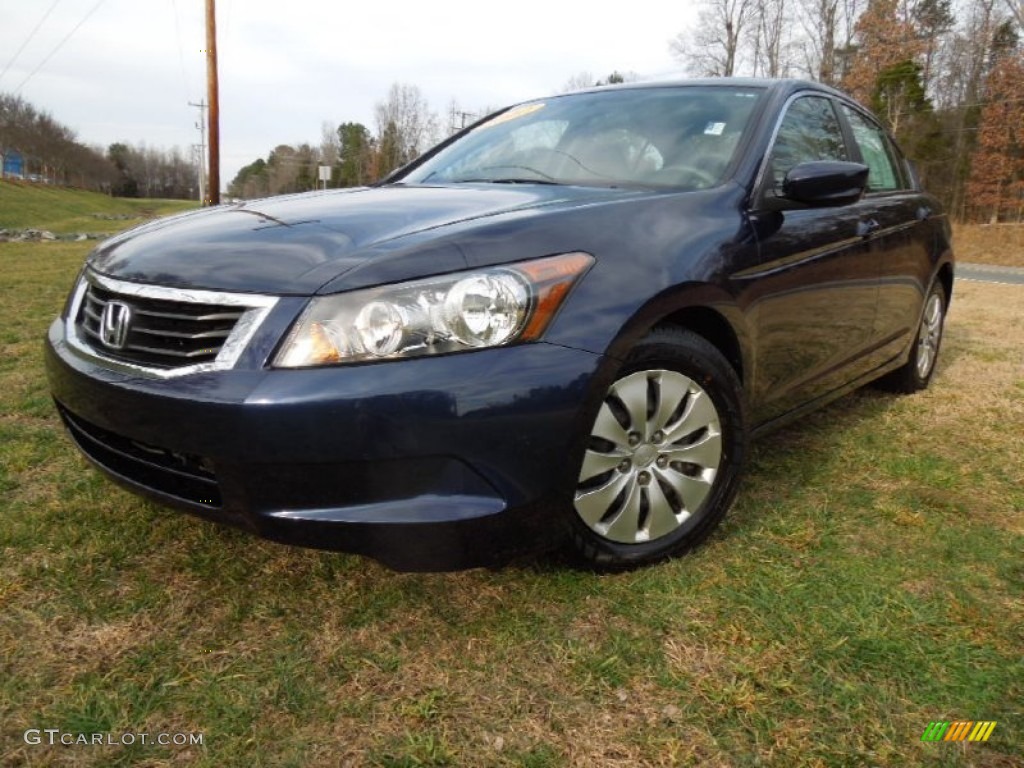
(940,111)
(59,45)
(29,38)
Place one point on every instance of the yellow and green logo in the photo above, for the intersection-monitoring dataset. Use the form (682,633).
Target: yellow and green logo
(959,730)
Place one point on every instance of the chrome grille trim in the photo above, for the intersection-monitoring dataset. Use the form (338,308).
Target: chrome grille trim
(253,309)
(92,318)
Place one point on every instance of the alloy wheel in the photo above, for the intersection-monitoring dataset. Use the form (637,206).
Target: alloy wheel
(652,457)
(929,336)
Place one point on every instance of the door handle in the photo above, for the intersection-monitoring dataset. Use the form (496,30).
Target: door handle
(867,227)
(924,213)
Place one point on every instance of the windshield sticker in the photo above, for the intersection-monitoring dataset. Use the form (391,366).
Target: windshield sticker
(714,129)
(514,114)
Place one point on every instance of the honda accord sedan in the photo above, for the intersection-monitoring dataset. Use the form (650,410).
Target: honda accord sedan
(560,327)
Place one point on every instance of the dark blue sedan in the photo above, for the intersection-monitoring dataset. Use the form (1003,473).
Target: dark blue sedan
(562,325)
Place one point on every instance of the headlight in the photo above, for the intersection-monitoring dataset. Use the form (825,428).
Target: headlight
(452,313)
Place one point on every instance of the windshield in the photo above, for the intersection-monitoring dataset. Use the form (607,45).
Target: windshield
(680,137)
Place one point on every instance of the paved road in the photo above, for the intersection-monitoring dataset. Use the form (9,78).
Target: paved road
(986,273)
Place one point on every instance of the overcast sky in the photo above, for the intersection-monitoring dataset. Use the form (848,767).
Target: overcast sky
(128,72)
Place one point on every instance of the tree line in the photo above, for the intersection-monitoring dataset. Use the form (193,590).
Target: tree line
(49,149)
(51,152)
(404,127)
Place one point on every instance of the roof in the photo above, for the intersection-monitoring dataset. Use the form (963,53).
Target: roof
(787,85)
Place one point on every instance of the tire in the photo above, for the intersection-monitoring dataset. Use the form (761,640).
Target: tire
(664,455)
(917,372)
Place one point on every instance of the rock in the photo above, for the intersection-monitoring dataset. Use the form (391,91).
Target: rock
(43,235)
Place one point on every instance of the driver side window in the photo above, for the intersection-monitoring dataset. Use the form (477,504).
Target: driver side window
(809,131)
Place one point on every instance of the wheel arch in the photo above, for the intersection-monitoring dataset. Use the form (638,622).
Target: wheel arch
(703,309)
(945,277)
(712,326)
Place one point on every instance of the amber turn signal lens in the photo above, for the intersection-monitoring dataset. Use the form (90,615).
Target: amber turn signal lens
(551,279)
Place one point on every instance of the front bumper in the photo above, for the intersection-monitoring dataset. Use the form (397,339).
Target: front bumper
(423,464)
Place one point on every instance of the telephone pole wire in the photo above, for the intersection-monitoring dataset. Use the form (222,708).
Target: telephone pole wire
(213,196)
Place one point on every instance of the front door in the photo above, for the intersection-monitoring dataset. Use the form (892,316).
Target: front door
(812,300)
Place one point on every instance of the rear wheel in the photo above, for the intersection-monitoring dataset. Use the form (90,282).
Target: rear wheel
(917,372)
(664,454)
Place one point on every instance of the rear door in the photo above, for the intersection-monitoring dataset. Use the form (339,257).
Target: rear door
(900,234)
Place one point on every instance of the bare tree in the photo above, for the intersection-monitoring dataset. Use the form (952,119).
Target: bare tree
(405,126)
(771,38)
(583,80)
(1017,11)
(961,61)
(933,19)
(828,31)
(329,144)
(578,82)
(713,48)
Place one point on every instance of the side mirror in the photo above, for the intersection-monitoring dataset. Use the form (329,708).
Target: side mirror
(825,183)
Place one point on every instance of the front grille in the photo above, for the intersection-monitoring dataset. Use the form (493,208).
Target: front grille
(181,475)
(161,333)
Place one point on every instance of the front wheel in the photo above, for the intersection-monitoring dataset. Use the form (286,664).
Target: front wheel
(663,457)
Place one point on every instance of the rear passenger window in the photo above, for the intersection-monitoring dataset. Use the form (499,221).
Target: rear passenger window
(809,131)
(876,151)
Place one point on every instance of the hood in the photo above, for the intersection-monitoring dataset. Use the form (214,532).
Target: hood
(294,244)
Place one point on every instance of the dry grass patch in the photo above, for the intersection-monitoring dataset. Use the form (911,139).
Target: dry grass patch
(1000,244)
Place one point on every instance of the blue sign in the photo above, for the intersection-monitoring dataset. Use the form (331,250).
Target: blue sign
(14,165)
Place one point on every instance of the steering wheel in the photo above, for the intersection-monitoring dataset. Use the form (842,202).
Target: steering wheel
(679,171)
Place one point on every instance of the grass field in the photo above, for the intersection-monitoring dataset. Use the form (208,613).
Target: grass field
(60,210)
(869,580)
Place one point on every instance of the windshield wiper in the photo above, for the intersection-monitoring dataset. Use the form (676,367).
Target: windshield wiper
(510,180)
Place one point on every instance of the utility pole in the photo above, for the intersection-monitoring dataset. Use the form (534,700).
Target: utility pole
(458,116)
(214,101)
(200,148)
(199,156)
